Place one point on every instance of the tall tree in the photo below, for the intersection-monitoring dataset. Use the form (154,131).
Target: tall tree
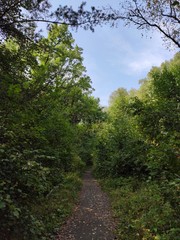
(45,99)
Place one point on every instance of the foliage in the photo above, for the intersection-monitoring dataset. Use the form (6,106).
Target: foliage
(141,135)
(137,155)
(160,15)
(56,207)
(19,18)
(116,137)
(51,127)
(141,209)
(45,93)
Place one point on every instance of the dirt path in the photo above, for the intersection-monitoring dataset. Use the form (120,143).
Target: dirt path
(92,218)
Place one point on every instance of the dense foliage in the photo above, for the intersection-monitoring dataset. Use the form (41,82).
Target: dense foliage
(46,108)
(51,127)
(138,151)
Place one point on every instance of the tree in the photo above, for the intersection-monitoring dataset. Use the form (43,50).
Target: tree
(19,18)
(157,115)
(141,133)
(45,99)
(160,15)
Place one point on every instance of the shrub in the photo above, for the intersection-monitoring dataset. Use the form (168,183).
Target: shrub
(141,210)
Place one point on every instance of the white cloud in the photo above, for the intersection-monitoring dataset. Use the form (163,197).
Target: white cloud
(144,61)
(134,54)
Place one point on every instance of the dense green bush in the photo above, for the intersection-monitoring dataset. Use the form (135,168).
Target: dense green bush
(53,211)
(141,210)
(141,133)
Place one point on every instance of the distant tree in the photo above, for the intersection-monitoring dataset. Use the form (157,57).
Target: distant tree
(156,109)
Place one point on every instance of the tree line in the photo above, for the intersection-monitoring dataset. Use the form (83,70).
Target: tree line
(51,126)
(143,124)
(47,112)
(137,155)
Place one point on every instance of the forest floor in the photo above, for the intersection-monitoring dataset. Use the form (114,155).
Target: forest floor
(92,219)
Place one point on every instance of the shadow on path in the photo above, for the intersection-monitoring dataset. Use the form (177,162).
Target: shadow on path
(92,219)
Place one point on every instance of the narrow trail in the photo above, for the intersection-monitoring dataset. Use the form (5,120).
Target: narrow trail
(92,219)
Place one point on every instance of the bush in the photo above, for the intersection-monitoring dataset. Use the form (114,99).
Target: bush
(37,219)
(141,210)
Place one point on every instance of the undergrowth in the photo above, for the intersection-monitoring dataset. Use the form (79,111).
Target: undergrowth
(145,210)
(50,214)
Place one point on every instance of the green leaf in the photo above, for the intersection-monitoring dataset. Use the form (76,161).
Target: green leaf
(2,205)
(16,212)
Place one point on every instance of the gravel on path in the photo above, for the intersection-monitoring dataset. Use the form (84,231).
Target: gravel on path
(92,219)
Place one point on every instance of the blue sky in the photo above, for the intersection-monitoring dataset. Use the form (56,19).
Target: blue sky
(117,57)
